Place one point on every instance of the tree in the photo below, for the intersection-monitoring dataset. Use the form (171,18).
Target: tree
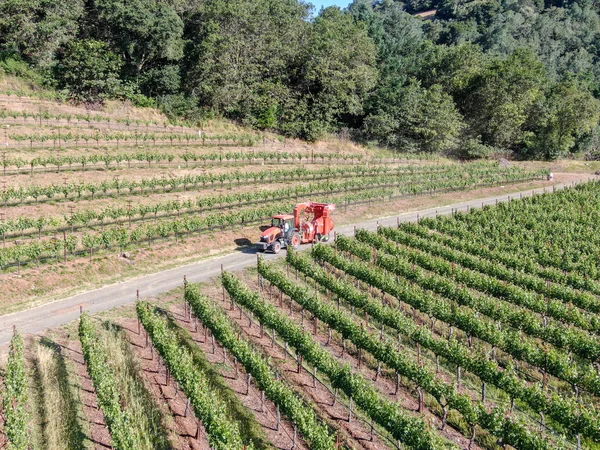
(336,71)
(89,71)
(240,57)
(149,36)
(568,113)
(159,81)
(36,30)
(497,101)
(412,118)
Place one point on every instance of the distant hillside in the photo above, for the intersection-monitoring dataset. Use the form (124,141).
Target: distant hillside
(473,79)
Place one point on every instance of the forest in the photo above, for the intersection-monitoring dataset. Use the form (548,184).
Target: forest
(480,77)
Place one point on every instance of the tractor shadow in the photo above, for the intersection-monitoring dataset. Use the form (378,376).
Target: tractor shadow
(245,245)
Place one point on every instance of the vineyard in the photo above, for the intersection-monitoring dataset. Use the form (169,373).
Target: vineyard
(428,335)
(79,185)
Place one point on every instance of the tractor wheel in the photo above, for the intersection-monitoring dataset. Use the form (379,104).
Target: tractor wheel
(324,238)
(276,247)
(295,240)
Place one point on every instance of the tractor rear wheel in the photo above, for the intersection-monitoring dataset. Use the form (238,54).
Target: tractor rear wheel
(295,240)
(276,247)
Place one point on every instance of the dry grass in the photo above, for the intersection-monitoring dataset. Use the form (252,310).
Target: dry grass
(56,407)
(148,421)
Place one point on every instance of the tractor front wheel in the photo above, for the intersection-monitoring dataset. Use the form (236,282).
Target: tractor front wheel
(321,237)
(295,240)
(276,247)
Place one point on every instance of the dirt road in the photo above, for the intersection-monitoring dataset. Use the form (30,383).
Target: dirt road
(64,311)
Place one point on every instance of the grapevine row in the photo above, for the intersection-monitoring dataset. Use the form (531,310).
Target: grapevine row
(112,160)
(557,230)
(107,391)
(580,343)
(56,137)
(223,432)
(564,411)
(117,214)
(14,397)
(186,182)
(446,395)
(483,282)
(52,248)
(300,413)
(79,191)
(81,118)
(502,265)
(401,424)
(553,361)
(36,250)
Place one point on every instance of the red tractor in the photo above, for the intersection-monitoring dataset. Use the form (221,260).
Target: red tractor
(311,222)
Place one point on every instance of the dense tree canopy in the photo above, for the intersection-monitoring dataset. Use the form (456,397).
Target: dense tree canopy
(480,77)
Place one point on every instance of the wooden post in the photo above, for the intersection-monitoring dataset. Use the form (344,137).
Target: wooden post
(444,418)
(295,436)
(351,410)
(278,418)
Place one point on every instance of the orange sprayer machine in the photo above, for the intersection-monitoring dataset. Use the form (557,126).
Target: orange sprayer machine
(311,222)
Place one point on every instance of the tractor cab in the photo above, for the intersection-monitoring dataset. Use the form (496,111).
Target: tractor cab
(284,222)
(282,227)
